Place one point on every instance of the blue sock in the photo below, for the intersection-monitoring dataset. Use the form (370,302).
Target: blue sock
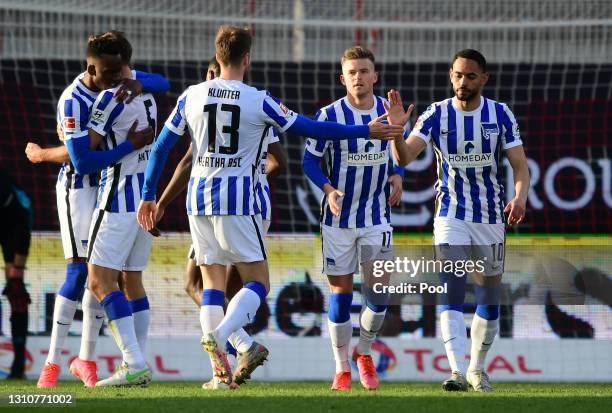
(258,288)
(116,306)
(454,299)
(487,299)
(340,307)
(140,304)
(377,308)
(213,297)
(73,286)
(230,349)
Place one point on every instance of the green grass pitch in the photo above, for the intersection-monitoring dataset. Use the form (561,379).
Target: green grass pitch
(315,397)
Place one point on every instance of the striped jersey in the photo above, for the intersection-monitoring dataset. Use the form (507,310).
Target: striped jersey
(357,167)
(228,122)
(73,109)
(262,188)
(467,147)
(121,183)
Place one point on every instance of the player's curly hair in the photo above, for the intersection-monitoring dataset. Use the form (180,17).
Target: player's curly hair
(232,44)
(357,52)
(108,43)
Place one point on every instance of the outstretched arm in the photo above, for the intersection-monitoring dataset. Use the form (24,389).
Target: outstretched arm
(336,131)
(153,82)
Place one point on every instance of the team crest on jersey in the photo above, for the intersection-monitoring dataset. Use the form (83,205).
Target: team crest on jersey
(69,124)
(489,129)
(98,115)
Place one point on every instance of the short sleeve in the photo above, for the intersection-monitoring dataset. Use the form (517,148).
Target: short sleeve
(73,115)
(511,136)
(177,121)
(424,124)
(315,146)
(104,112)
(277,114)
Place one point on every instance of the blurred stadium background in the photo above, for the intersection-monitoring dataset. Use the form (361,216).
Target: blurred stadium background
(550,60)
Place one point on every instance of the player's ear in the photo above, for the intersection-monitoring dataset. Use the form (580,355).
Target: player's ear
(375,77)
(485,78)
(91,69)
(246,60)
(342,80)
(450,74)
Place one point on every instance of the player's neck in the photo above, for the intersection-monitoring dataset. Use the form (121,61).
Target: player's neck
(365,102)
(230,73)
(467,105)
(89,83)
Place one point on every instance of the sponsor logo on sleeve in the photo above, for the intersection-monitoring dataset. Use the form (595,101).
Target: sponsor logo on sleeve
(69,124)
(98,116)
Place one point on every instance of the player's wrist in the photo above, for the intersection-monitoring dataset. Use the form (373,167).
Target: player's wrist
(328,188)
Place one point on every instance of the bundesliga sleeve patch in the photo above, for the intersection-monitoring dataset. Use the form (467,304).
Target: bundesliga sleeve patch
(69,124)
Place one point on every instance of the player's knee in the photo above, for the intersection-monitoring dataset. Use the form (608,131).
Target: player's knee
(96,287)
(488,312)
(340,307)
(73,286)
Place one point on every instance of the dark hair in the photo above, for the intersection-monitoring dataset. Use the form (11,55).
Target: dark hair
(214,66)
(126,47)
(471,54)
(231,44)
(107,43)
(357,52)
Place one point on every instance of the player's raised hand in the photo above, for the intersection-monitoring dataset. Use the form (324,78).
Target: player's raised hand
(396,189)
(332,198)
(140,138)
(384,131)
(34,152)
(147,211)
(129,89)
(395,109)
(515,210)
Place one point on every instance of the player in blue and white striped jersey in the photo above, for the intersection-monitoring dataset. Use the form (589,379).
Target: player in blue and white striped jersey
(227,121)
(77,188)
(116,242)
(248,353)
(355,212)
(469,133)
